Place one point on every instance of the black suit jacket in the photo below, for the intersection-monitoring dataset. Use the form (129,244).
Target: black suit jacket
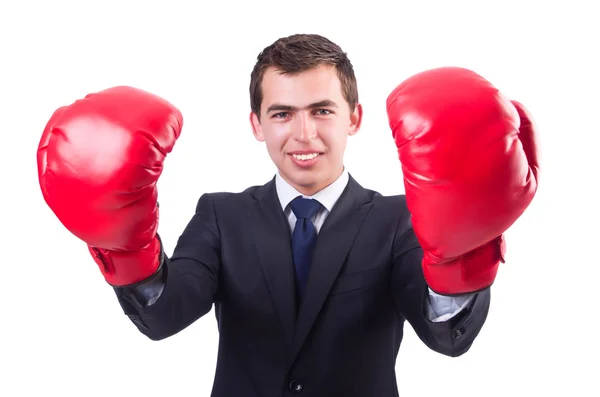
(343,338)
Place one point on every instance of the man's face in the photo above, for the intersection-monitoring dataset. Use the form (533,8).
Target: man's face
(305,122)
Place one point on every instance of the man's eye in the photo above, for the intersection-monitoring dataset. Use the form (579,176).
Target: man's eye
(280,115)
(323,112)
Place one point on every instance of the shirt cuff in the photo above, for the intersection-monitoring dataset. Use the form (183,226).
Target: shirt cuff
(443,308)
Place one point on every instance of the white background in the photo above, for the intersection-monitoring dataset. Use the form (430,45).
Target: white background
(61,329)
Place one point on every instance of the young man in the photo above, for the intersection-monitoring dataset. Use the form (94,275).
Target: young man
(312,276)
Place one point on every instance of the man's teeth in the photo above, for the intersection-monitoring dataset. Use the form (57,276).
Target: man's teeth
(305,156)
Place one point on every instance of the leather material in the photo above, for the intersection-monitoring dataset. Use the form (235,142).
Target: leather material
(99,160)
(469,159)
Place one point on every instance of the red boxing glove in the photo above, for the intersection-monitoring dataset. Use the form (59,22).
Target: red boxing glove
(99,160)
(469,159)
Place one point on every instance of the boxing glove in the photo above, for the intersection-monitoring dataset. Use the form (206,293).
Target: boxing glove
(469,158)
(99,160)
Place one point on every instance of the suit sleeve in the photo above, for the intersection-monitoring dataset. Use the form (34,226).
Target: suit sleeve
(184,288)
(452,337)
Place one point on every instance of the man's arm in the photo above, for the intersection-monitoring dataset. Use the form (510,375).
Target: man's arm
(184,288)
(451,336)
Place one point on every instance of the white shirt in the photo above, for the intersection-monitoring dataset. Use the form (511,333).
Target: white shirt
(440,308)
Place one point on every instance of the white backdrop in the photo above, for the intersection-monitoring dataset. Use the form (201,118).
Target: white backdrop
(61,329)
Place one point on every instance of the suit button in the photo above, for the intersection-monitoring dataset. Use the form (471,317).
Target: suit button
(296,386)
(457,333)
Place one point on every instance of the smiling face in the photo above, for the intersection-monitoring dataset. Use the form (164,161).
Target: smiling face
(305,122)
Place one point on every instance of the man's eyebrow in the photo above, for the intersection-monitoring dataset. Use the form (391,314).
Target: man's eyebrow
(288,108)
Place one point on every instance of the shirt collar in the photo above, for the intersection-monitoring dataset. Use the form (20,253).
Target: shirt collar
(327,196)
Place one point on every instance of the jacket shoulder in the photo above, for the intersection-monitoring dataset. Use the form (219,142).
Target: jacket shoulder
(394,201)
(231,200)
(392,209)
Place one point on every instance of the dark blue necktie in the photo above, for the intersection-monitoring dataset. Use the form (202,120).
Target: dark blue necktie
(304,238)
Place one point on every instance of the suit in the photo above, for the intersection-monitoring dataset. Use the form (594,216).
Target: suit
(343,338)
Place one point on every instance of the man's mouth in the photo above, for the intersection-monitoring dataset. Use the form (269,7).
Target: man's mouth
(305,156)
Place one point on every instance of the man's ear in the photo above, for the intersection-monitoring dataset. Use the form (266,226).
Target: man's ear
(356,119)
(256,127)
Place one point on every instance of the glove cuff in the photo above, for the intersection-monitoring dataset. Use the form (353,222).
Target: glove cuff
(121,268)
(468,273)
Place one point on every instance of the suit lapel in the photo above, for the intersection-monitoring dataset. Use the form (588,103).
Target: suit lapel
(273,242)
(333,244)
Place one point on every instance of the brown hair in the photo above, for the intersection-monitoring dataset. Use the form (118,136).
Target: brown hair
(299,53)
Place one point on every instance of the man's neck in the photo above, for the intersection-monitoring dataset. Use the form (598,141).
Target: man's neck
(311,190)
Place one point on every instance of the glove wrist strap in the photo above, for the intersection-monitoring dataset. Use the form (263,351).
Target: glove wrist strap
(121,268)
(474,271)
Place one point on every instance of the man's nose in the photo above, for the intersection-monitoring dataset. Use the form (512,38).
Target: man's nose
(305,129)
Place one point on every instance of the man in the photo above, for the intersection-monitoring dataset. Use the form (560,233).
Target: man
(312,276)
